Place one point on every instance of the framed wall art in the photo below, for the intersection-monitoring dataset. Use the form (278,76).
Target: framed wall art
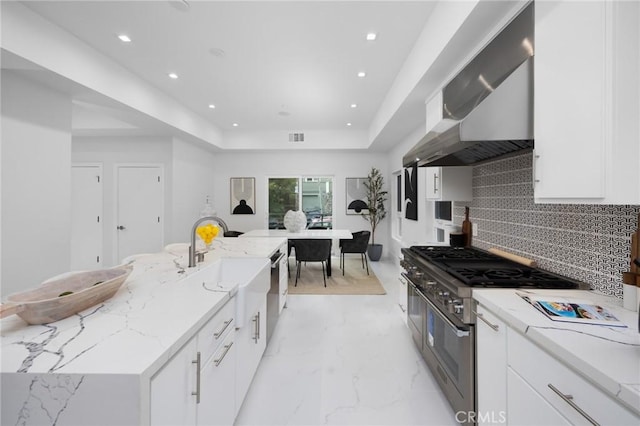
(411,192)
(356,196)
(243,195)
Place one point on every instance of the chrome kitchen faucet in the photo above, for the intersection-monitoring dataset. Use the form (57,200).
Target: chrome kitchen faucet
(192,247)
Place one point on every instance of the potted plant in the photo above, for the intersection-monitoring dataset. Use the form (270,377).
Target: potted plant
(376,196)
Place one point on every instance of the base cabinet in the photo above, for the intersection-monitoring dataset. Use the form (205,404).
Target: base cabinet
(573,397)
(518,378)
(172,388)
(252,341)
(527,407)
(197,386)
(491,374)
(218,405)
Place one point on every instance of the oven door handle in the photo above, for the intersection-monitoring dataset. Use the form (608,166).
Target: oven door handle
(459,333)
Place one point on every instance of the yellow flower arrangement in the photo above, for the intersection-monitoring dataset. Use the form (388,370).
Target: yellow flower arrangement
(207,232)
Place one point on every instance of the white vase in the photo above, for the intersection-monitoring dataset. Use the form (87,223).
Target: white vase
(295,221)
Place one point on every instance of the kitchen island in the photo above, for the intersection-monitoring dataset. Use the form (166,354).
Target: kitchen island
(534,370)
(99,366)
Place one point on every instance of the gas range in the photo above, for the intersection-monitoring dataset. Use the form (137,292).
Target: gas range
(447,276)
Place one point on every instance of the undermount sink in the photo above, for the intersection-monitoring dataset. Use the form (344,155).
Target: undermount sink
(247,277)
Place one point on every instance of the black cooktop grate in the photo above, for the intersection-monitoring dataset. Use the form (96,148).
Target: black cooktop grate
(478,268)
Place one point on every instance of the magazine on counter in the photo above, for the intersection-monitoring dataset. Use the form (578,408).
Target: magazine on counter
(564,309)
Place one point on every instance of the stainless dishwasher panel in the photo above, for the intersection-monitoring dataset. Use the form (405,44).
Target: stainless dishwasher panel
(273,296)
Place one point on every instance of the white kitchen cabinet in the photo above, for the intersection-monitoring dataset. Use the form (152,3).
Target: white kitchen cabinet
(519,378)
(172,401)
(197,386)
(587,102)
(573,397)
(449,183)
(491,373)
(527,407)
(218,401)
(252,341)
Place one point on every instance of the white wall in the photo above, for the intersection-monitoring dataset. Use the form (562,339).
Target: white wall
(194,175)
(36,181)
(262,165)
(420,231)
(112,150)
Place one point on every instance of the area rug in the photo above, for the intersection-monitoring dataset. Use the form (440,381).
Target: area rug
(354,281)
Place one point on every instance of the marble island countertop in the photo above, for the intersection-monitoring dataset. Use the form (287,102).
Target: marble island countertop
(608,357)
(159,307)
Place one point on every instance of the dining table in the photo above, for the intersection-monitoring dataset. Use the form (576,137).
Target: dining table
(317,234)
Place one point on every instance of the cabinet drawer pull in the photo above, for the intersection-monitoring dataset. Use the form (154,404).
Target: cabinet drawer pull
(197,392)
(221,332)
(495,327)
(569,400)
(226,349)
(435,182)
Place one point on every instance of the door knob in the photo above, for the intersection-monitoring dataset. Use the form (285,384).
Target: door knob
(121,227)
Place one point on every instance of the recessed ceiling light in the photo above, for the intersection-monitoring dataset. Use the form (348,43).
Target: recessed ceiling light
(371,36)
(235,124)
(348,124)
(124,38)
(212,106)
(362,74)
(173,75)
(354,105)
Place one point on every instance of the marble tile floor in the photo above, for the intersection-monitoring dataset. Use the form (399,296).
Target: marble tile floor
(344,360)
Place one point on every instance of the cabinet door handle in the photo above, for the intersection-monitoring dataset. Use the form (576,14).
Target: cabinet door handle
(569,400)
(435,183)
(533,168)
(256,320)
(197,392)
(495,327)
(226,349)
(221,332)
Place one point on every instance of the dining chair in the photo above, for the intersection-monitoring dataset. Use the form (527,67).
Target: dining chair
(232,233)
(358,244)
(312,250)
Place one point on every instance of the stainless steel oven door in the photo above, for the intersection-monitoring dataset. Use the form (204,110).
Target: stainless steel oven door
(415,312)
(449,349)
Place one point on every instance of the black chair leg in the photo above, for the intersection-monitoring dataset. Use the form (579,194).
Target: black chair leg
(297,273)
(366,262)
(342,262)
(323,275)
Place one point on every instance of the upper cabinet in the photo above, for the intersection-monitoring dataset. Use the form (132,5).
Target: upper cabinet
(449,183)
(587,97)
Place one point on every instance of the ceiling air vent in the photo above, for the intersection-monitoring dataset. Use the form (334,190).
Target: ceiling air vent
(296,137)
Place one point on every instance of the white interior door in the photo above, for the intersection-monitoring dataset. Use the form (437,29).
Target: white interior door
(86,217)
(140,201)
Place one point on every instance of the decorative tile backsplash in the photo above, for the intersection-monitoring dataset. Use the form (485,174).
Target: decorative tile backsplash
(590,243)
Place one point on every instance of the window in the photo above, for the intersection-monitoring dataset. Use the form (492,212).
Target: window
(316,199)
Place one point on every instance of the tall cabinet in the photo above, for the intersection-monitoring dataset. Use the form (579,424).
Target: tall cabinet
(587,102)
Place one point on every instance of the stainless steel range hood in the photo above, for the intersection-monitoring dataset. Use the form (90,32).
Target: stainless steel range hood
(488,106)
